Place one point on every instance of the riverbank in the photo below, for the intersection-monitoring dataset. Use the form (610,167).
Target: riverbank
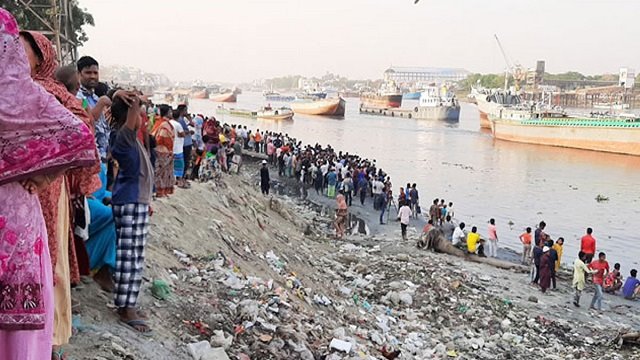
(263,278)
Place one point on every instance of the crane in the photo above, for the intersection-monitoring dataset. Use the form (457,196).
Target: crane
(514,69)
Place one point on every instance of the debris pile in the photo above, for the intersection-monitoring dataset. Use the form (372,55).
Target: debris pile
(237,275)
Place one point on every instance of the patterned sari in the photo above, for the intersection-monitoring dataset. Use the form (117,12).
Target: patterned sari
(38,137)
(165,178)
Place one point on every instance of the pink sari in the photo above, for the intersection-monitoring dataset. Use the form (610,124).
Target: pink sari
(38,136)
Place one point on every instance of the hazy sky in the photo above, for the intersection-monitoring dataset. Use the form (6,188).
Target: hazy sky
(242,40)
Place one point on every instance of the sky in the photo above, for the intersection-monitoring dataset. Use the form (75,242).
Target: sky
(245,40)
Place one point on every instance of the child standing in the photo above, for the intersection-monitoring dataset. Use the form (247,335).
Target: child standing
(525,239)
(131,199)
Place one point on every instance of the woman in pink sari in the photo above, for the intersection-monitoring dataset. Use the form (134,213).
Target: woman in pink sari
(39,139)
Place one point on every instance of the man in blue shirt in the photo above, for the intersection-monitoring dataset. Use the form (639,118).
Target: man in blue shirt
(89,80)
(631,287)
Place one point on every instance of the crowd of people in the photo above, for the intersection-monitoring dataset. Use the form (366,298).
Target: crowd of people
(80,164)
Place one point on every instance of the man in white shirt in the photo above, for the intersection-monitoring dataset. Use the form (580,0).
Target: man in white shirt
(404,214)
(178,153)
(459,238)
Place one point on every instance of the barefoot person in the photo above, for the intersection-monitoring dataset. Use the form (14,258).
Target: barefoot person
(131,199)
(341,216)
(525,239)
(579,269)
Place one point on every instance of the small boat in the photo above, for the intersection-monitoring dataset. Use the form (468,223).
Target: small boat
(330,107)
(268,113)
(611,106)
(221,110)
(276,97)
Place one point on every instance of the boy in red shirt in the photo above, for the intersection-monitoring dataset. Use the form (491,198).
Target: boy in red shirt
(588,245)
(602,269)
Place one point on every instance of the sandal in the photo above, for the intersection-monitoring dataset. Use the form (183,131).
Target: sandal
(137,322)
(58,354)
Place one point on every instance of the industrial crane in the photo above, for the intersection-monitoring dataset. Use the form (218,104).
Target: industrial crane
(516,70)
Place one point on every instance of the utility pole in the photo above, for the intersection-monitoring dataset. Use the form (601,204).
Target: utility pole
(56,25)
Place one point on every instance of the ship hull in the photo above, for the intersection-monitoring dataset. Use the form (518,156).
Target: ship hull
(622,140)
(487,110)
(200,94)
(446,113)
(381,101)
(227,97)
(329,107)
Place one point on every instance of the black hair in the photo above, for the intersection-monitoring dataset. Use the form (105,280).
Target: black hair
(543,224)
(589,231)
(492,221)
(616,266)
(634,272)
(448,217)
(175,114)
(64,74)
(85,62)
(474,229)
(101,89)
(32,42)
(462,225)
(164,110)
(581,255)
(528,229)
(119,110)
(601,254)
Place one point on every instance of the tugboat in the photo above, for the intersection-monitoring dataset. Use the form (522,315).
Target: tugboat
(436,104)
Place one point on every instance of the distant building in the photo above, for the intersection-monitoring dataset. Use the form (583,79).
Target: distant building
(401,74)
(535,76)
(627,78)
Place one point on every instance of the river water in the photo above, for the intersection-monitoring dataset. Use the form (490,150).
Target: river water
(517,184)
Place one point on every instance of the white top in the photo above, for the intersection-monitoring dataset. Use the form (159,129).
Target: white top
(404,214)
(178,142)
(377,187)
(458,236)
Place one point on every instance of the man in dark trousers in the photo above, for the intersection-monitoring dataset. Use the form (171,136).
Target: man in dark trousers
(264,178)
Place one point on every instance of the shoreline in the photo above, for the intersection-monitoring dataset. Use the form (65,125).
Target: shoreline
(232,258)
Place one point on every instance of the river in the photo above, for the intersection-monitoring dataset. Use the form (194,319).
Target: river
(517,184)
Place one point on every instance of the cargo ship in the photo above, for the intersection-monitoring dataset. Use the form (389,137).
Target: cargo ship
(224,96)
(614,134)
(489,103)
(388,96)
(329,107)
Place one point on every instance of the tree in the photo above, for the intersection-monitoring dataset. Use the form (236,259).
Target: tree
(28,21)
(488,81)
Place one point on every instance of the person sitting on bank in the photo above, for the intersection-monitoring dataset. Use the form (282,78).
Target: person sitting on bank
(424,240)
(459,237)
(475,245)
(613,281)
(631,288)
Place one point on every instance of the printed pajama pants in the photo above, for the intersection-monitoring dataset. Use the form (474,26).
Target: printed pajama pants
(131,232)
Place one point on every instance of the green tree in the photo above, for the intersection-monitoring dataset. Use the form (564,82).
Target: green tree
(27,20)
(489,81)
